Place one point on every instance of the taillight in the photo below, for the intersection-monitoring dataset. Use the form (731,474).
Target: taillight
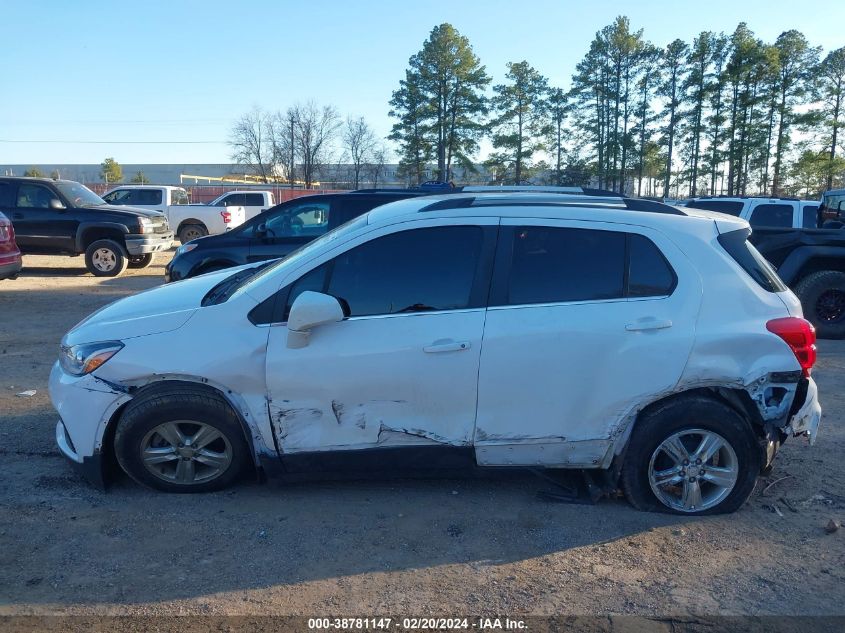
(5,232)
(227,216)
(800,335)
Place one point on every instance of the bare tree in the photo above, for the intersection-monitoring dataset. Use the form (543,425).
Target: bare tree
(251,141)
(359,140)
(379,157)
(284,143)
(314,131)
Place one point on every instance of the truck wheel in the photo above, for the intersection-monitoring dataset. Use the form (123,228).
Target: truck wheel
(181,439)
(191,232)
(691,455)
(141,261)
(106,258)
(822,297)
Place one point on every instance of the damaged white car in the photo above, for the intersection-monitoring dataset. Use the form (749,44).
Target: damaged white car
(650,344)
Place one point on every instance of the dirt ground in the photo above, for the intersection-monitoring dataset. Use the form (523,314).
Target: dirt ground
(420,547)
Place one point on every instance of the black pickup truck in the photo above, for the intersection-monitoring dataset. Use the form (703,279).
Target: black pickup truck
(812,263)
(62,217)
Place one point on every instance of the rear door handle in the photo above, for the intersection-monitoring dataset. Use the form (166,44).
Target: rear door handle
(649,324)
(447,345)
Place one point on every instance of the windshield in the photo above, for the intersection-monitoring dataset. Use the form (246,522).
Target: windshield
(79,195)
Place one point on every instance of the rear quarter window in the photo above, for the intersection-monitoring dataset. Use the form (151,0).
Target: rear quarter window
(750,260)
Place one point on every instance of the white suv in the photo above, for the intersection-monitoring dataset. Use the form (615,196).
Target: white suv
(651,344)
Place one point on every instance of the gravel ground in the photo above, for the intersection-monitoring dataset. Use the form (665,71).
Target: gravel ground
(423,547)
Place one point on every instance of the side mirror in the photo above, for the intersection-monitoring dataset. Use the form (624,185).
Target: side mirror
(308,311)
(261,230)
(841,206)
(55,203)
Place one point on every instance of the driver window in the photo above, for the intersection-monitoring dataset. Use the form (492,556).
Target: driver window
(306,220)
(34,197)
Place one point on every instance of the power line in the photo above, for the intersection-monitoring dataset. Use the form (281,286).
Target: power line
(117,142)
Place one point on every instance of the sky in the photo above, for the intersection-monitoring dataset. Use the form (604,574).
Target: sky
(162,81)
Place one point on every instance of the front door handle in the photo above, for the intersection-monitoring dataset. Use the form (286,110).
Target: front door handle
(447,345)
(17,216)
(648,324)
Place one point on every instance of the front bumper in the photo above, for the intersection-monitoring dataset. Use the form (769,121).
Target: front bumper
(85,405)
(806,420)
(152,243)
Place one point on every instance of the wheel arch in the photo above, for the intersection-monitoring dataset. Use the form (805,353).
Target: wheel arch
(90,232)
(163,385)
(737,399)
(189,221)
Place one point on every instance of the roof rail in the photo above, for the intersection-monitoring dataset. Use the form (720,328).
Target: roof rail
(631,204)
(761,197)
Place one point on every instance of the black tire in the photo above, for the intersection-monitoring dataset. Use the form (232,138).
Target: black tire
(689,414)
(191,232)
(822,296)
(106,258)
(141,261)
(182,403)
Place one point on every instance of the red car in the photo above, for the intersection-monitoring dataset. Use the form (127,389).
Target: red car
(10,255)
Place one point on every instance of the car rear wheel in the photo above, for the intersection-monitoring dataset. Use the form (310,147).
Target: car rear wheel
(822,296)
(141,261)
(181,439)
(191,232)
(692,455)
(106,258)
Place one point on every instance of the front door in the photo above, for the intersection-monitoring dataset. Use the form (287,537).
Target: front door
(38,227)
(401,370)
(588,322)
(288,228)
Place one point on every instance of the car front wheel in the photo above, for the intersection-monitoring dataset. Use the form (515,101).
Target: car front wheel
(181,439)
(106,258)
(692,455)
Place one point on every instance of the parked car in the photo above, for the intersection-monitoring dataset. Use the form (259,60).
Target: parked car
(254,202)
(654,347)
(811,261)
(62,217)
(190,221)
(276,232)
(11,261)
(763,212)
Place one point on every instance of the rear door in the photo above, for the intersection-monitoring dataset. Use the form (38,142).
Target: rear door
(587,322)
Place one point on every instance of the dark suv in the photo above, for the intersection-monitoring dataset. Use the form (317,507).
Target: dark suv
(62,217)
(277,231)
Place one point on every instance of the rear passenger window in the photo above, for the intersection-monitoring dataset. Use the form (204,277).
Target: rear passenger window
(253,200)
(649,274)
(731,207)
(551,265)
(810,216)
(774,215)
(146,197)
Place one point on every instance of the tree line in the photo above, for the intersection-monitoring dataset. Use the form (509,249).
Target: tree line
(722,114)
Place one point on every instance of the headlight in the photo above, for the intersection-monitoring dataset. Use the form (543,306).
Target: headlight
(146,225)
(185,248)
(79,360)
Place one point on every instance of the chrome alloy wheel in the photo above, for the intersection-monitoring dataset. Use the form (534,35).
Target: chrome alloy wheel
(186,452)
(693,470)
(104,259)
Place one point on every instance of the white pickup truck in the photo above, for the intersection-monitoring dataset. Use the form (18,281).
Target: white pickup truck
(189,221)
(254,202)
